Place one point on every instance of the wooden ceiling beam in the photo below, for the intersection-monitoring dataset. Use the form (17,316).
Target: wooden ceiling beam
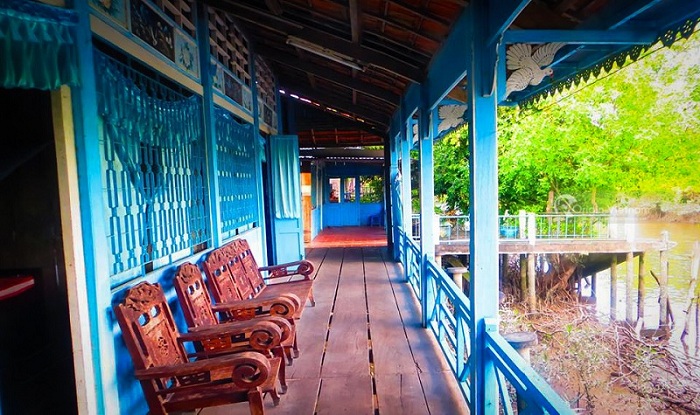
(421,12)
(323,39)
(338,103)
(290,61)
(404,27)
(362,54)
(355,21)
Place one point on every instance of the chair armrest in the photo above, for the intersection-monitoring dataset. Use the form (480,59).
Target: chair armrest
(236,367)
(303,267)
(260,335)
(282,306)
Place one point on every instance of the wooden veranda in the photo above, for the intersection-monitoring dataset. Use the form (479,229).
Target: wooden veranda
(363,350)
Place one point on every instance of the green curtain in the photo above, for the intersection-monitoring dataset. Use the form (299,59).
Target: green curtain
(37,45)
(285,171)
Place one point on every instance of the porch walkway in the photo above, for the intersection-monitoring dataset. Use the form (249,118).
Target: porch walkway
(362,348)
(347,236)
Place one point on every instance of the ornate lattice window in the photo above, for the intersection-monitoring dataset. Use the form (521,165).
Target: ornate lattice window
(267,98)
(153,170)
(231,57)
(181,11)
(237,169)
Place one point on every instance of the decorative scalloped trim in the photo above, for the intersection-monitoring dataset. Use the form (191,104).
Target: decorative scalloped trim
(667,39)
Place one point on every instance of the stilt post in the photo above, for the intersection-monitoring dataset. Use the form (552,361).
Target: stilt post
(594,285)
(640,287)
(663,283)
(531,293)
(613,287)
(630,311)
(523,277)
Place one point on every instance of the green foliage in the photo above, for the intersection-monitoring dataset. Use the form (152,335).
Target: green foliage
(630,134)
(451,158)
(371,189)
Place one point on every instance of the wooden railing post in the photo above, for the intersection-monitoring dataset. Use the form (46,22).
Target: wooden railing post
(531,228)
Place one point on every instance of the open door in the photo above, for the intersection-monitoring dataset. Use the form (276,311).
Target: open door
(288,227)
(306,205)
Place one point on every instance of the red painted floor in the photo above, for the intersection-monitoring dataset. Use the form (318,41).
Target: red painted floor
(349,236)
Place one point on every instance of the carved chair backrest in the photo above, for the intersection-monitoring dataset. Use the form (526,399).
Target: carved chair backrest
(250,264)
(219,278)
(150,335)
(237,270)
(194,297)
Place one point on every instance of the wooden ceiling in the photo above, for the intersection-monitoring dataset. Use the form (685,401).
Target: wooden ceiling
(390,42)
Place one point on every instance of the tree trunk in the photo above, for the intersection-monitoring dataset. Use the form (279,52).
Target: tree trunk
(594,203)
(556,281)
(550,201)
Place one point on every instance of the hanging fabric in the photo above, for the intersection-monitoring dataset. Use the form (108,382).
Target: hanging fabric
(37,45)
(285,170)
(141,126)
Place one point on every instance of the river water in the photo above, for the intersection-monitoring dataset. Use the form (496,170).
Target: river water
(685,235)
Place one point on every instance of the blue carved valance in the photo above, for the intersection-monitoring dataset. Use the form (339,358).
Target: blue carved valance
(667,38)
(37,45)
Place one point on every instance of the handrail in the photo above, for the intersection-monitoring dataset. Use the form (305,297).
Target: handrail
(449,319)
(529,385)
(456,228)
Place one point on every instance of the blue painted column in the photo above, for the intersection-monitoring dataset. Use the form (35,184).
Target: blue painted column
(92,214)
(209,123)
(483,211)
(405,146)
(259,148)
(427,210)
(393,186)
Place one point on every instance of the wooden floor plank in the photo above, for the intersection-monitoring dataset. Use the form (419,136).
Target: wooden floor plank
(400,394)
(442,393)
(423,343)
(347,351)
(390,348)
(300,399)
(346,395)
(313,326)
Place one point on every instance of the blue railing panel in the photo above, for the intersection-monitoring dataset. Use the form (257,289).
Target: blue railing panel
(450,322)
(529,386)
(449,319)
(413,262)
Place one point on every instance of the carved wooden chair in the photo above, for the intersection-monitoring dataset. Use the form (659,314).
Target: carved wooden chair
(199,314)
(171,381)
(279,277)
(227,287)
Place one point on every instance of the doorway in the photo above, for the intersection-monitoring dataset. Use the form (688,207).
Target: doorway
(36,362)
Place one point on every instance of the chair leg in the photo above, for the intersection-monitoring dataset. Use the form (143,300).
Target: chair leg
(288,354)
(282,375)
(255,402)
(275,396)
(311,297)
(295,348)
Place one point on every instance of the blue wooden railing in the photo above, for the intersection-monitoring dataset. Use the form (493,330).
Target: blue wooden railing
(449,319)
